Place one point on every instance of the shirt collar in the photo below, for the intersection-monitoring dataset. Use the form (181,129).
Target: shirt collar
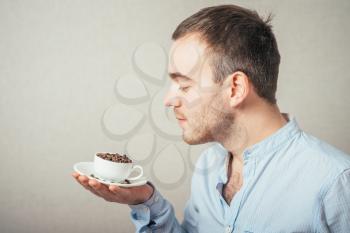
(274,141)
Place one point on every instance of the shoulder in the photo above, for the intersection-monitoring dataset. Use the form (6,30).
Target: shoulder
(318,160)
(323,154)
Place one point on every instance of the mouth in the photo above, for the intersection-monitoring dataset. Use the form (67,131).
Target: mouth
(180,118)
(181,121)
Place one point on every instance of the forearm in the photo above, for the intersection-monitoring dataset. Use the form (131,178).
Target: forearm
(155,215)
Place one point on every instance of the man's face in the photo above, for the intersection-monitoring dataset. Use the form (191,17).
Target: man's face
(199,103)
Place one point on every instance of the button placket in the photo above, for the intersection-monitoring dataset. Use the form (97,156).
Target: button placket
(228,229)
(242,193)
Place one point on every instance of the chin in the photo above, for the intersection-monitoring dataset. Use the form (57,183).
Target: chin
(195,140)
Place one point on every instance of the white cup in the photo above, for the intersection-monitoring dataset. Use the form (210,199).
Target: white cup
(114,171)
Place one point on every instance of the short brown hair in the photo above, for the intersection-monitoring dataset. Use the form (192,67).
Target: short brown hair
(238,40)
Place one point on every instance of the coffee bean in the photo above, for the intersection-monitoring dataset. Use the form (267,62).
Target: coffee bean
(126,181)
(114,157)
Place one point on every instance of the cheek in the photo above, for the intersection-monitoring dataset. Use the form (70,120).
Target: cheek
(193,99)
(199,111)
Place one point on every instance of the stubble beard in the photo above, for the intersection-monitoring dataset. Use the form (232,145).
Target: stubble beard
(208,124)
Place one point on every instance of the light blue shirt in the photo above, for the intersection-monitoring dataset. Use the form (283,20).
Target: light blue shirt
(292,182)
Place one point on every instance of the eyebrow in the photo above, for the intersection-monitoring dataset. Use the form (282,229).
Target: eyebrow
(179,75)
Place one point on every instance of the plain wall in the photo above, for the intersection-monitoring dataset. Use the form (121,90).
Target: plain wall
(59,62)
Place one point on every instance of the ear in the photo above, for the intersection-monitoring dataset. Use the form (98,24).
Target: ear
(238,87)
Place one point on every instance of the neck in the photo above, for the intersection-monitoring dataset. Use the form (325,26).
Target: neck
(252,126)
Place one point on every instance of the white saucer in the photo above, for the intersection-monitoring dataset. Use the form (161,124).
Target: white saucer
(87,169)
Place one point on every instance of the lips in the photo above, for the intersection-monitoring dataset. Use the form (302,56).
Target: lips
(180,117)
(182,122)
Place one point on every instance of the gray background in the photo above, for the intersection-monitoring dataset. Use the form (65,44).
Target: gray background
(58,64)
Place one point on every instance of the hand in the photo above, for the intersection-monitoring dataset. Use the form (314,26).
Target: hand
(113,193)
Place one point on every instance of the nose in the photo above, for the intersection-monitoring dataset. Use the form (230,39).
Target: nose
(171,99)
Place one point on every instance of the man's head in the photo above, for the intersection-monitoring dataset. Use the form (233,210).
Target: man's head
(223,59)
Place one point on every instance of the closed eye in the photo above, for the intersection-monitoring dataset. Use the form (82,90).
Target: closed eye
(184,89)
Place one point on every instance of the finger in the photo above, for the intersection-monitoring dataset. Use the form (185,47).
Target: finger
(121,192)
(93,191)
(100,188)
(75,175)
(83,180)
(103,191)
(114,189)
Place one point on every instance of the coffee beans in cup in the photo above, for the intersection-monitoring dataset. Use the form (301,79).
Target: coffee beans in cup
(114,157)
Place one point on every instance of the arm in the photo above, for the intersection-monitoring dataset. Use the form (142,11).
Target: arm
(336,204)
(154,214)
(157,215)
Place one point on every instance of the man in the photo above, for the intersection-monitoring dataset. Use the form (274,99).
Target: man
(269,175)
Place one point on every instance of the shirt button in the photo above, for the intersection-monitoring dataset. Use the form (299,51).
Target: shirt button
(156,198)
(228,229)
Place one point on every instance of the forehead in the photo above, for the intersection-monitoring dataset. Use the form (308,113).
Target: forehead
(187,56)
